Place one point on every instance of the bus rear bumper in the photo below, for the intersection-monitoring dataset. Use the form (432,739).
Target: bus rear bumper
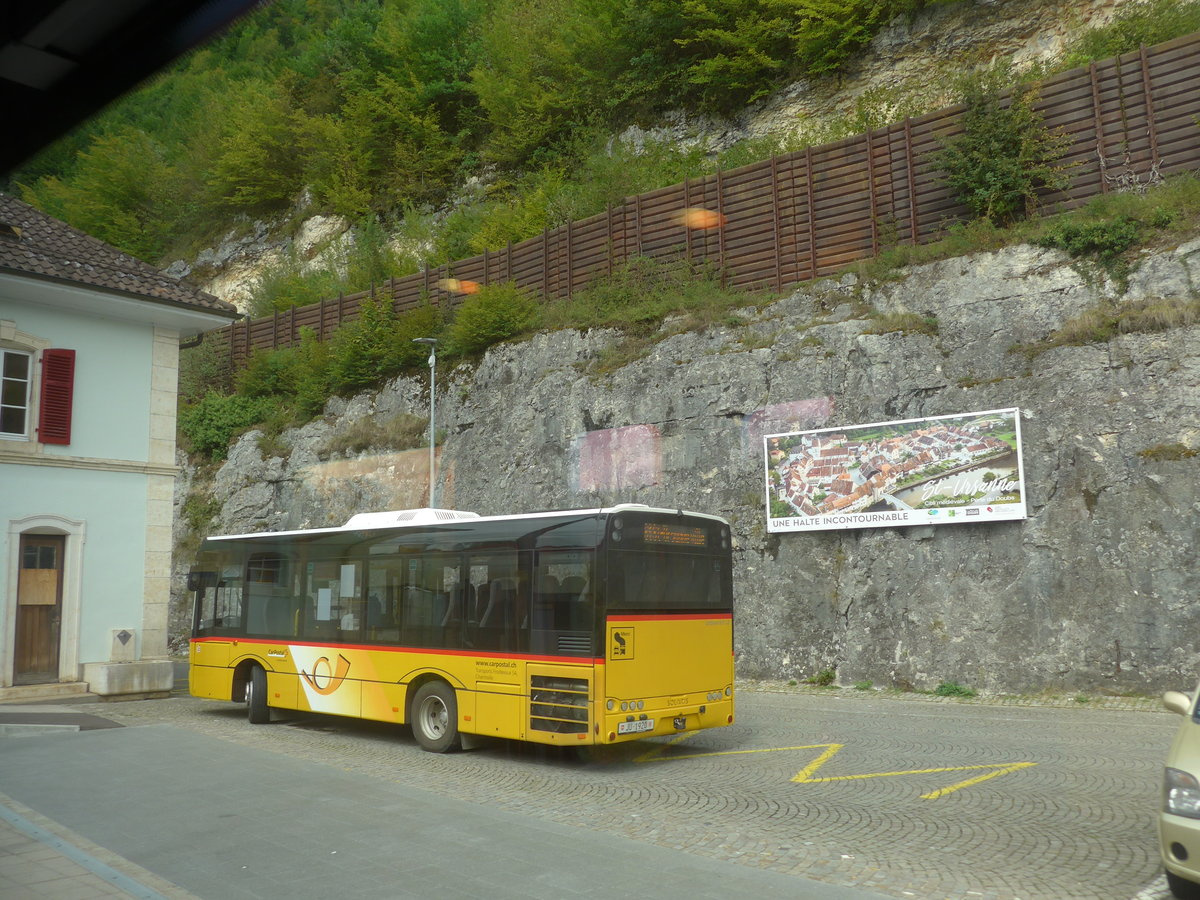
(630,726)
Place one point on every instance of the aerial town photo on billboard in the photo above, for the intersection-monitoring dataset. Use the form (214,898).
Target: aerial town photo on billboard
(940,470)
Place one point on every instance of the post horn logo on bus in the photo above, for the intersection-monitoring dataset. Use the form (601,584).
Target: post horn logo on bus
(335,678)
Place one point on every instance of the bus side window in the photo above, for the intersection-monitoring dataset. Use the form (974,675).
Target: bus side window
(563,612)
(268,595)
(350,607)
(321,599)
(500,603)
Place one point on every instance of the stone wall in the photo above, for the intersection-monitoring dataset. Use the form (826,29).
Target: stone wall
(1089,593)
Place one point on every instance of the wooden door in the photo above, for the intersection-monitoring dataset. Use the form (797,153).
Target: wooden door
(39,608)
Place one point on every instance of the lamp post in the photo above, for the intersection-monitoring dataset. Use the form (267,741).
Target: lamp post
(432,344)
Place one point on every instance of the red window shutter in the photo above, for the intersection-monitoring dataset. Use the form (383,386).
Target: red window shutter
(58,390)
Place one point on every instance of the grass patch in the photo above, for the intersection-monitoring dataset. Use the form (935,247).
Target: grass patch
(905,323)
(1149,22)
(1165,213)
(400,432)
(643,292)
(1102,323)
(824,678)
(1168,452)
(954,689)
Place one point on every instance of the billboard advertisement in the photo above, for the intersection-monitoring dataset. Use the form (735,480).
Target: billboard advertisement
(938,471)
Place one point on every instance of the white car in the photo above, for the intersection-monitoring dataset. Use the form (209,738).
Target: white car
(1179,819)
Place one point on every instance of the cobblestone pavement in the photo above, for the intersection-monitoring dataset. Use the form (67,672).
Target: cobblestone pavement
(1029,798)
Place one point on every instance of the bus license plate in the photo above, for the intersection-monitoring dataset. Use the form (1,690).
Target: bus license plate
(635,727)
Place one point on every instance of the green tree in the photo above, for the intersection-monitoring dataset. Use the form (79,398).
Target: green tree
(497,313)
(257,167)
(1004,155)
(544,69)
(336,164)
(120,192)
(365,349)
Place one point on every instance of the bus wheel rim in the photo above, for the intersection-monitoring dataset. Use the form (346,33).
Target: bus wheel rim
(434,717)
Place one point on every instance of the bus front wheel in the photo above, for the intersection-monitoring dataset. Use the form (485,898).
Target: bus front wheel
(256,697)
(435,717)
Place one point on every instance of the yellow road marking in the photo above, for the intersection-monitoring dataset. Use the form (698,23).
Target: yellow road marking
(1002,770)
(805,775)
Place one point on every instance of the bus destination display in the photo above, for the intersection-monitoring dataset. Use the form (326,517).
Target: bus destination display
(679,535)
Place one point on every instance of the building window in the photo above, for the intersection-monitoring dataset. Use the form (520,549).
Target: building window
(15,379)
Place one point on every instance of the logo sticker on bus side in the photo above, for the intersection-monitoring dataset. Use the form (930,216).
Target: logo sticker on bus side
(324,679)
(620,643)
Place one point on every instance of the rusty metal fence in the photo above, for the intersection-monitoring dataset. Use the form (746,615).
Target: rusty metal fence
(801,215)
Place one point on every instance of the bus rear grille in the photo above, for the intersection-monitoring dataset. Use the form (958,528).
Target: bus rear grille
(558,704)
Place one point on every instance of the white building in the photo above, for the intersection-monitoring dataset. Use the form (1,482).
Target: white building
(89,354)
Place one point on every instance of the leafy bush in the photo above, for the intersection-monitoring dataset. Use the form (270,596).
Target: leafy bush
(209,425)
(364,350)
(312,380)
(1004,156)
(1105,240)
(824,678)
(256,167)
(289,283)
(954,689)
(268,372)
(494,314)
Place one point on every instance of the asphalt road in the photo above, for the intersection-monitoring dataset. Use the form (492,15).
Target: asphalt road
(904,797)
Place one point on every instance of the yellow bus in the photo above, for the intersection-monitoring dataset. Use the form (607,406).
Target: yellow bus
(570,628)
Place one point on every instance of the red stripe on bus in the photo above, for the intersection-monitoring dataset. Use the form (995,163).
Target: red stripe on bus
(428,651)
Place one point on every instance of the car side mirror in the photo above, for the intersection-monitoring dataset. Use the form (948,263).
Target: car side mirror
(1177,702)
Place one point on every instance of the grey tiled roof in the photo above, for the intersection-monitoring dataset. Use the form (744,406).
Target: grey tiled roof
(40,246)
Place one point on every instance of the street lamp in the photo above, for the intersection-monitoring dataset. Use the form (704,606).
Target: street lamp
(432,344)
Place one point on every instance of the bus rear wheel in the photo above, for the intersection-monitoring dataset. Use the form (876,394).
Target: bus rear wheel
(257,710)
(435,717)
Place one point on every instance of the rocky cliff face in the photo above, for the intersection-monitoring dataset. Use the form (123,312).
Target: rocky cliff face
(1090,592)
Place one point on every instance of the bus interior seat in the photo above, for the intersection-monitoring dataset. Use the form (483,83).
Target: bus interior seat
(374,610)
(575,611)
(496,620)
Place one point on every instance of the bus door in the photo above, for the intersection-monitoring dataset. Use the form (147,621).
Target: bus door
(495,630)
(217,594)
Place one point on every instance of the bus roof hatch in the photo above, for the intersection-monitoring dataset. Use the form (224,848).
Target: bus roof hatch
(425,516)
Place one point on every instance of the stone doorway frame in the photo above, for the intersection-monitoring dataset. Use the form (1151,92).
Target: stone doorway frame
(75,533)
